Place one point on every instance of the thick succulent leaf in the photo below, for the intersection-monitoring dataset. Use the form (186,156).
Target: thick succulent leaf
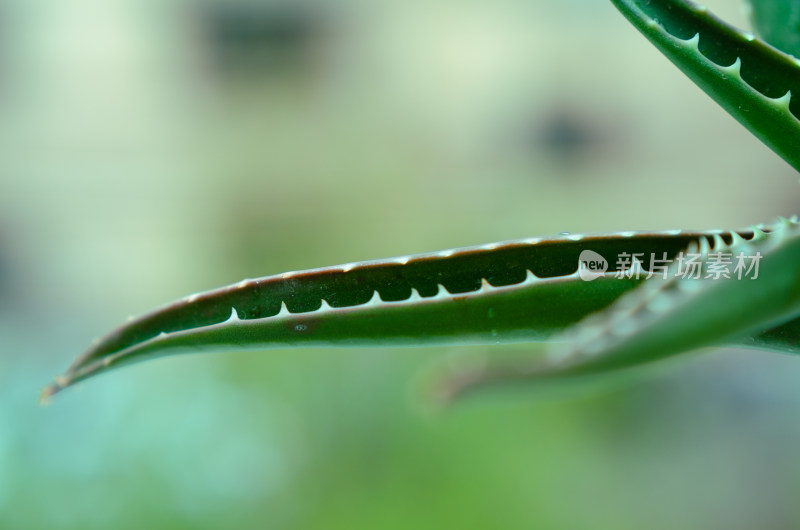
(515,291)
(778,22)
(750,79)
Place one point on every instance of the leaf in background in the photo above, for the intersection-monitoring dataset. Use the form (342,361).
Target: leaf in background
(778,22)
(753,81)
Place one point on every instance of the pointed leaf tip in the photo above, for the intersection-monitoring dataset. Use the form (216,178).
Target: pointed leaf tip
(47,393)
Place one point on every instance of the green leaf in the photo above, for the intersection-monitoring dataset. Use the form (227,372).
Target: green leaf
(778,22)
(750,79)
(517,291)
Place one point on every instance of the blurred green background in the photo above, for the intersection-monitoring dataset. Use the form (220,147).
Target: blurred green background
(150,149)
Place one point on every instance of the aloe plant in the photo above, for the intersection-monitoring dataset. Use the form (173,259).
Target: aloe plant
(743,288)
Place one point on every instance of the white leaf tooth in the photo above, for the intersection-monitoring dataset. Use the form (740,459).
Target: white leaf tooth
(446,253)
(530,277)
(784,222)
(758,233)
(324,306)
(734,70)
(783,101)
(284,311)
(375,300)
(441,292)
(234,316)
(693,43)
(719,243)
(415,297)
(485,286)
(575,237)
(736,239)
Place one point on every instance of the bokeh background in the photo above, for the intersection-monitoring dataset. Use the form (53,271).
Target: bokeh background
(150,149)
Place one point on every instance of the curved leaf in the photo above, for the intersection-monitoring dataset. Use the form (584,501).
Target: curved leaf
(750,79)
(515,291)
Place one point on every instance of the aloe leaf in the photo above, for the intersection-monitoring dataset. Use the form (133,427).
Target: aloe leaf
(517,291)
(750,79)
